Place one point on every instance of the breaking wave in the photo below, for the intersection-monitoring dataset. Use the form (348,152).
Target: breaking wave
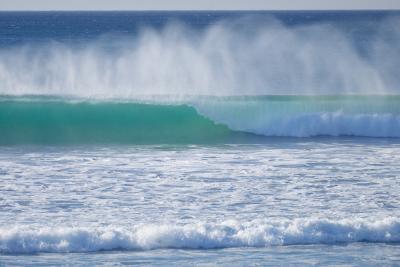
(203,120)
(227,234)
(244,75)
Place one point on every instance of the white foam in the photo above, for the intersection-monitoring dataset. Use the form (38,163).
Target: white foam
(227,234)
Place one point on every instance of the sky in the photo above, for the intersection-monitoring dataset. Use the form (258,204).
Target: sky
(196,4)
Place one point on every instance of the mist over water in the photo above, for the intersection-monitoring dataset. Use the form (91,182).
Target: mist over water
(243,56)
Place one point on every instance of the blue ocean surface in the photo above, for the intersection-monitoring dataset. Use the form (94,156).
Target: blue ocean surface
(240,138)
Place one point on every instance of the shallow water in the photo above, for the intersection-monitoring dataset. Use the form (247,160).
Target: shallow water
(339,255)
(281,201)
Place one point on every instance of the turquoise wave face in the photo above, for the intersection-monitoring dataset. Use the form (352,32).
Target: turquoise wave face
(195,120)
(58,122)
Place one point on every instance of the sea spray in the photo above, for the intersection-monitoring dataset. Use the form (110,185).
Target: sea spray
(242,56)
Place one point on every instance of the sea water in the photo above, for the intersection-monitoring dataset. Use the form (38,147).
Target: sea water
(199,138)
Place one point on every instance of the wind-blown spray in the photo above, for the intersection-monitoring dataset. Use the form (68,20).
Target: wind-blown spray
(231,57)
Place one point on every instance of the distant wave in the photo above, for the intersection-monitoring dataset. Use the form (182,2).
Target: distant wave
(227,234)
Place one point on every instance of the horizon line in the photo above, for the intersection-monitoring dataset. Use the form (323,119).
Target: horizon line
(188,10)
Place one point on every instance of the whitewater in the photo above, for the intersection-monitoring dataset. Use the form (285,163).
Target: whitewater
(147,198)
(190,138)
(227,234)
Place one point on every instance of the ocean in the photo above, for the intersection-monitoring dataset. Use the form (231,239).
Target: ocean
(200,138)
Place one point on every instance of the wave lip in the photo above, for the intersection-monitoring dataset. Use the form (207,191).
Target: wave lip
(227,234)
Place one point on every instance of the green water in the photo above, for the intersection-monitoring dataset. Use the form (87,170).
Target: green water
(52,122)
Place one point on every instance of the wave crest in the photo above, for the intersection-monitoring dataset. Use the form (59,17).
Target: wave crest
(227,234)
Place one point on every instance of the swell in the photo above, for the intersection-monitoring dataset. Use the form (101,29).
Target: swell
(227,234)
